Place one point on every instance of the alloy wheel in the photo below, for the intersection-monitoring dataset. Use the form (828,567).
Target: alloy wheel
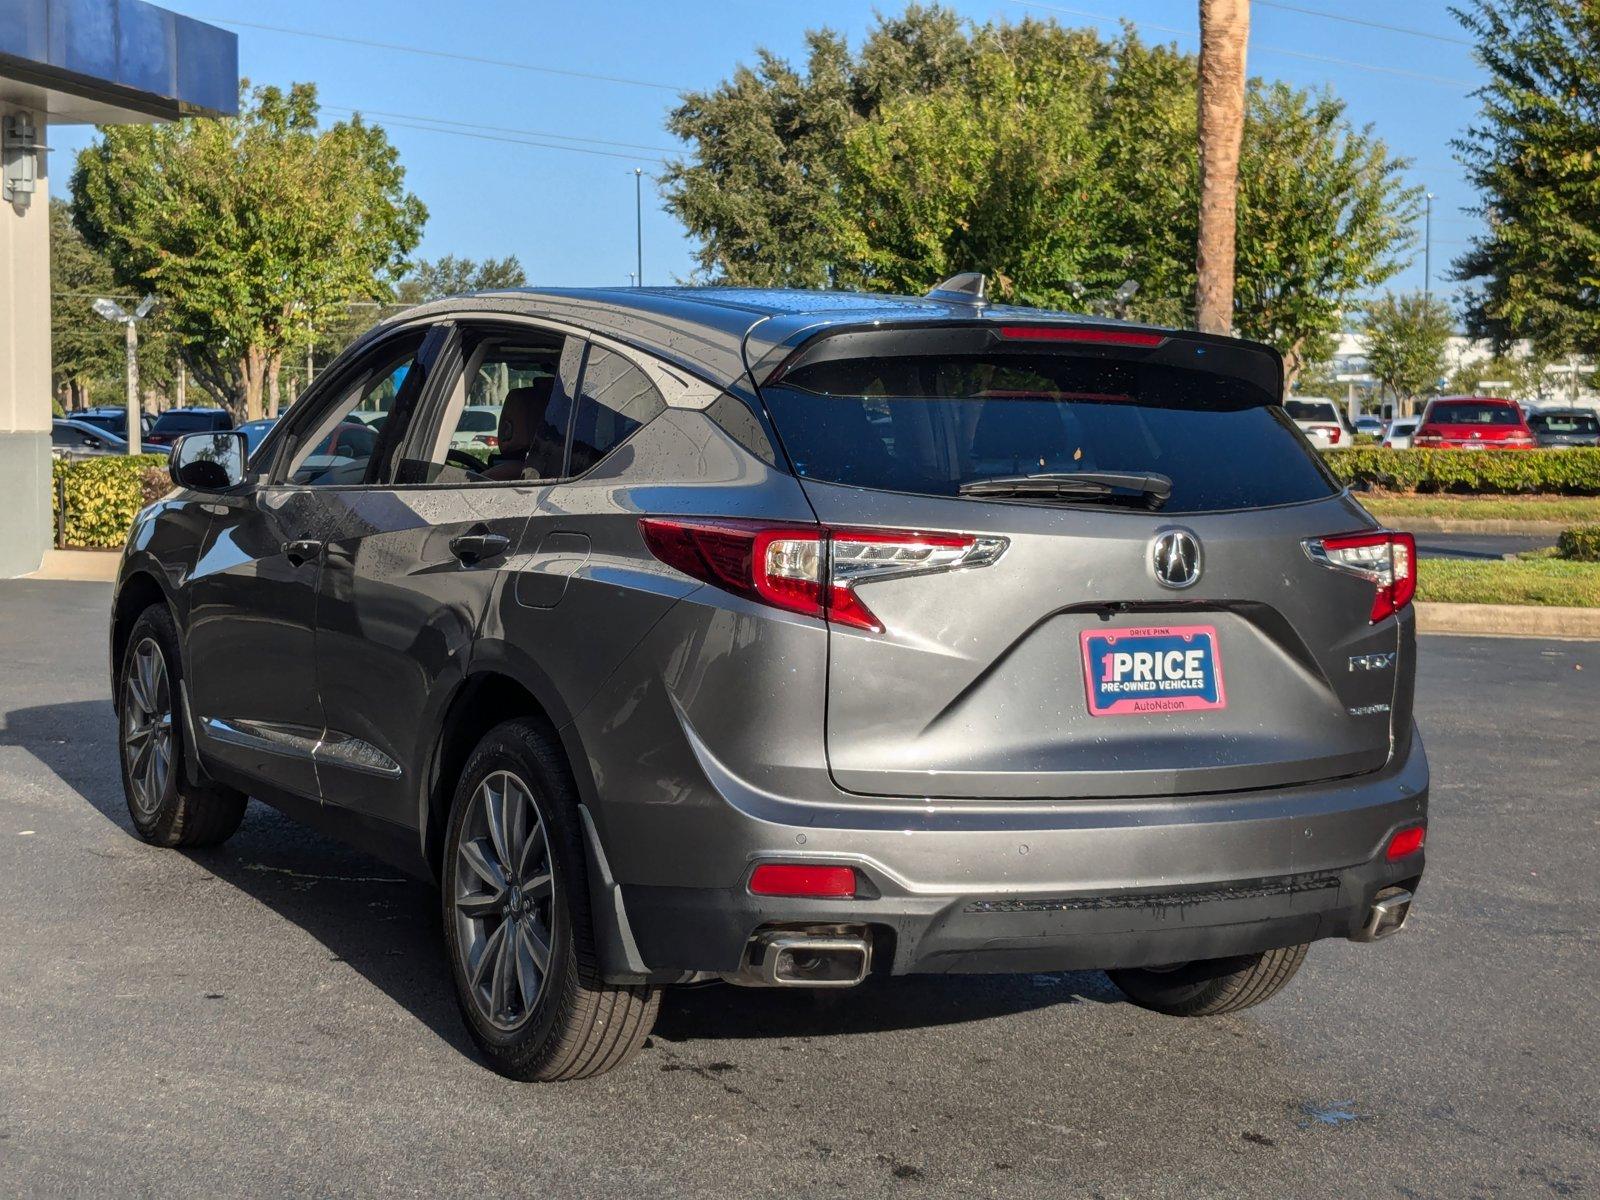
(147,726)
(504,898)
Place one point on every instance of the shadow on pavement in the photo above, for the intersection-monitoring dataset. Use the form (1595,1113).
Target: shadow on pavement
(719,1012)
(368,915)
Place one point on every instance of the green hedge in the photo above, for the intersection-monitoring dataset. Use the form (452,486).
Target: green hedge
(96,499)
(1491,472)
(1580,543)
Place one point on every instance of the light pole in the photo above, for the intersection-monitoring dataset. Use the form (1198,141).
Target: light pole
(1427,246)
(112,311)
(638,225)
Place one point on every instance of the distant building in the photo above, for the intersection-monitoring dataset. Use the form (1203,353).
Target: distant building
(1350,358)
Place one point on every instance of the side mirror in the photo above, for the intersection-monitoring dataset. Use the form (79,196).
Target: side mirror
(208,462)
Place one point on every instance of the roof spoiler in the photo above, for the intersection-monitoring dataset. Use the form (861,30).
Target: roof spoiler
(970,287)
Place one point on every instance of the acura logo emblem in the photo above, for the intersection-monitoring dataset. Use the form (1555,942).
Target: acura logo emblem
(1175,556)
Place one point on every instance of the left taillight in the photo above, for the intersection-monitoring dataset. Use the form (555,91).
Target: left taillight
(808,569)
(1385,558)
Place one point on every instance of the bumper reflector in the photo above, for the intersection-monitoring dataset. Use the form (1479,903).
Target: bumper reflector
(1407,841)
(803,879)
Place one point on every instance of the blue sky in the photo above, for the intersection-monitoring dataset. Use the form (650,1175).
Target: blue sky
(569,216)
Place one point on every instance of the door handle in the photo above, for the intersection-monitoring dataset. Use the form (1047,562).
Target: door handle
(473,548)
(301,551)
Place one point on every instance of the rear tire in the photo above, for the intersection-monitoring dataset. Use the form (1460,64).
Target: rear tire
(167,809)
(517,927)
(1211,987)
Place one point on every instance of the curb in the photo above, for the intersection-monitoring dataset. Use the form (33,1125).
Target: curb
(1509,620)
(81,566)
(1550,529)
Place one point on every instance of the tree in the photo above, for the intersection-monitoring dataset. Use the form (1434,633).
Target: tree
(999,174)
(1406,341)
(452,276)
(1324,216)
(1224,34)
(86,350)
(1534,156)
(1059,163)
(762,193)
(253,230)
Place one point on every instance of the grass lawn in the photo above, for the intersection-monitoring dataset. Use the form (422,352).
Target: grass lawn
(1531,579)
(1569,510)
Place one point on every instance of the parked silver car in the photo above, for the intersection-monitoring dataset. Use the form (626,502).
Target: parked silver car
(791,637)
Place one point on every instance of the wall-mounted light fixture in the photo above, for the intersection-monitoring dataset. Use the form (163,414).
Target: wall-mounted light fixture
(21,152)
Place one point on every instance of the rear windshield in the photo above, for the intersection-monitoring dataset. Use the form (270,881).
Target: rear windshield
(186,422)
(115,423)
(1311,410)
(1466,413)
(1565,423)
(478,420)
(930,424)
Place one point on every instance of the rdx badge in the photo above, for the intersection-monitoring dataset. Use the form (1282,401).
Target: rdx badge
(1371,662)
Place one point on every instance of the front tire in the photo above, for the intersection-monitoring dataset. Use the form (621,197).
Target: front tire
(1211,987)
(167,810)
(516,918)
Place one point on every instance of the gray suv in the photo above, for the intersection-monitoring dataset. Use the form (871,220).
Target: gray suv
(791,638)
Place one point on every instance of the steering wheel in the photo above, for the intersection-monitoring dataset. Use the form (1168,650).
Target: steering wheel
(467,462)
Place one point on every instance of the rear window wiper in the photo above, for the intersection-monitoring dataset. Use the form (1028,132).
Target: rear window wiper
(1074,485)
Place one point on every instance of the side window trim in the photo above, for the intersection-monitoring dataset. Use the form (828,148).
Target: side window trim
(436,358)
(579,365)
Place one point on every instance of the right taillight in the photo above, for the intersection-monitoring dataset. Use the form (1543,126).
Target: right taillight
(1385,558)
(808,569)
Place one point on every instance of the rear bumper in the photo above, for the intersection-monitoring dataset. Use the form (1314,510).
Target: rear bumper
(700,930)
(1051,886)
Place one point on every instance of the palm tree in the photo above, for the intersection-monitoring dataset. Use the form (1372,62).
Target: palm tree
(1224,32)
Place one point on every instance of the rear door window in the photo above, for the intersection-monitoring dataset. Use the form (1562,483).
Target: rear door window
(929,424)
(614,399)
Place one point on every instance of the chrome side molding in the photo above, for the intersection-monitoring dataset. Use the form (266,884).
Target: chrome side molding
(302,741)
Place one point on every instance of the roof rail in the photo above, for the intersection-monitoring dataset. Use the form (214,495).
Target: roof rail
(970,287)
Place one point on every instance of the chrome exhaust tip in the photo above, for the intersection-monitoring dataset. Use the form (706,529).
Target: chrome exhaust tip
(832,958)
(1387,915)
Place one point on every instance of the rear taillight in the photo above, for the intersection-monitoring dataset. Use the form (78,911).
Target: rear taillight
(1426,436)
(1330,432)
(1386,559)
(487,439)
(808,569)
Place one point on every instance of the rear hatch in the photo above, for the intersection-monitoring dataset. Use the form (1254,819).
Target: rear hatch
(1469,424)
(1139,615)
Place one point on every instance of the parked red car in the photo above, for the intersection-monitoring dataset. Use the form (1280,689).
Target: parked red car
(1473,423)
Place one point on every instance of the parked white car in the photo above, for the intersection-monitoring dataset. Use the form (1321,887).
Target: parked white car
(1400,432)
(1323,421)
(479,426)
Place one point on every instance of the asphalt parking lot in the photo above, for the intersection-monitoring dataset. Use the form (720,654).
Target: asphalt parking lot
(1479,545)
(273,1017)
